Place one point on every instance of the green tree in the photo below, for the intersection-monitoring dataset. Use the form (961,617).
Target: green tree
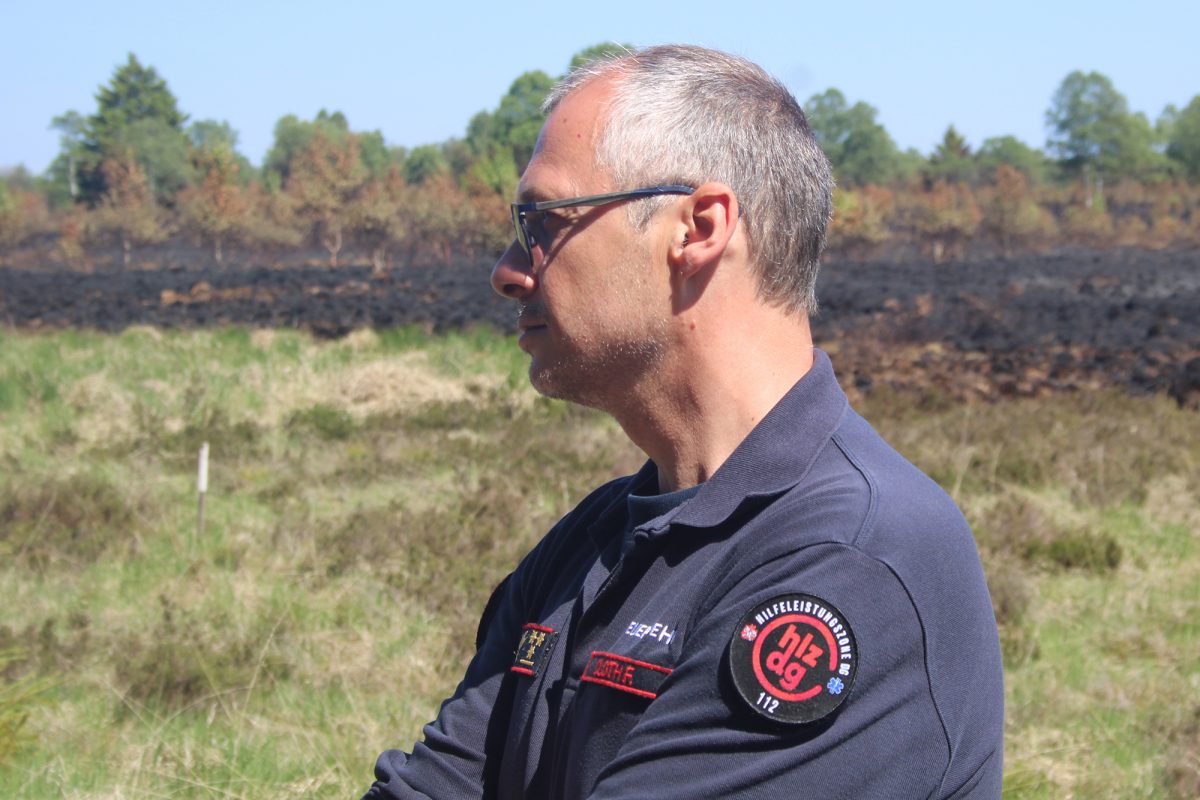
(1166,123)
(1094,134)
(424,162)
(375,155)
(1183,139)
(505,138)
(134,93)
(293,136)
(1011,151)
(456,155)
(859,149)
(519,117)
(136,116)
(497,173)
(951,159)
(210,136)
(163,153)
(63,173)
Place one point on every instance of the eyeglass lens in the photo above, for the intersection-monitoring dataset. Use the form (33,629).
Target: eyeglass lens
(530,230)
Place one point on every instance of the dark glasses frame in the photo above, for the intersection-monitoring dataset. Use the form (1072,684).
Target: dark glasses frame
(519,210)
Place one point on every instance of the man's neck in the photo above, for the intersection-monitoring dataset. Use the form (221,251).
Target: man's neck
(692,414)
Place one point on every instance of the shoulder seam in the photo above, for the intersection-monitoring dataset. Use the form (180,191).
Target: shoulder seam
(925,658)
(872,488)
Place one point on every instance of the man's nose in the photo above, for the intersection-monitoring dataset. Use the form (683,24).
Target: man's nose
(512,276)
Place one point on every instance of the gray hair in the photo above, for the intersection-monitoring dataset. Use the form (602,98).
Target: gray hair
(685,114)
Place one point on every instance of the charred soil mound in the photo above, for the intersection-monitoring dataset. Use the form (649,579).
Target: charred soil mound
(1027,326)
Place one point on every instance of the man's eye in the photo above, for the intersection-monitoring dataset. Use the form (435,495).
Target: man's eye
(535,231)
(541,227)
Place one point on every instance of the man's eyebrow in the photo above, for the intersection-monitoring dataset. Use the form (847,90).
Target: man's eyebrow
(542,192)
(531,194)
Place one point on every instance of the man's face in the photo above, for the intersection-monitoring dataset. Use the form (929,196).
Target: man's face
(594,307)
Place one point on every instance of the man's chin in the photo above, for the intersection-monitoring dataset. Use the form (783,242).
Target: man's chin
(561,384)
(545,380)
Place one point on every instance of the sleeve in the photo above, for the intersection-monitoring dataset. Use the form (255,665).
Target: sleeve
(461,748)
(701,738)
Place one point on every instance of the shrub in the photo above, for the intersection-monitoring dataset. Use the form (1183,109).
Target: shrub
(1182,756)
(859,224)
(72,519)
(188,659)
(17,697)
(1018,526)
(324,420)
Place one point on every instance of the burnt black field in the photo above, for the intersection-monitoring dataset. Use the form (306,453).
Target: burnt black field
(981,329)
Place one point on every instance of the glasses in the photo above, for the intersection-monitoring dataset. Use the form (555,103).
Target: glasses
(528,220)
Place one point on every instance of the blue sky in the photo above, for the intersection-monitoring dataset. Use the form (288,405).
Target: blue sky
(419,71)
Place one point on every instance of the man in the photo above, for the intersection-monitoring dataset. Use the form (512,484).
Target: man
(777,604)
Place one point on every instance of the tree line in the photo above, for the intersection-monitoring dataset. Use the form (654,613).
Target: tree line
(136,172)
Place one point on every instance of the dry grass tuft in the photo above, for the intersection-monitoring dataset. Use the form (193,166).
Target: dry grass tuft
(106,411)
(399,384)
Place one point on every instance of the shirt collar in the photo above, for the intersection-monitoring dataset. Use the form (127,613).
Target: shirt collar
(777,452)
(772,458)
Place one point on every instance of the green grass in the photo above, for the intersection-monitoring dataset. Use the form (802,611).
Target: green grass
(366,495)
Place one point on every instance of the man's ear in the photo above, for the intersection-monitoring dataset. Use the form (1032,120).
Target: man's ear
(707,221)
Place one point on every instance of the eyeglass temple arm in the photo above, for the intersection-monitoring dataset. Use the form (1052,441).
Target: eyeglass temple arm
(600,199)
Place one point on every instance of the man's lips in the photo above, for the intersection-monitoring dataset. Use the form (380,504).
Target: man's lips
(529,331)
(529,324)
(528,319)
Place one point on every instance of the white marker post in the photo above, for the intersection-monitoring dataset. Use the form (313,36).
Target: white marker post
(202,488)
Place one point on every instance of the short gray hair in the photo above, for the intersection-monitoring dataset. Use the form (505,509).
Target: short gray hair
(685,114)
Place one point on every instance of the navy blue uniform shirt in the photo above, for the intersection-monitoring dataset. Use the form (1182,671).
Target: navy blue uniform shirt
(813,621)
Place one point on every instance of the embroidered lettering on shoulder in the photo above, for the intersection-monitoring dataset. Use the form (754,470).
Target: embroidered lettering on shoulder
(533,650)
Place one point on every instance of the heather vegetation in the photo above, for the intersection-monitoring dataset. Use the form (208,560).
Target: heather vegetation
(136,173)
(367,493)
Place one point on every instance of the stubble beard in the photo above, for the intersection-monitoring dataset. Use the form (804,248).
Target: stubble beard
(599,370)
(597,376)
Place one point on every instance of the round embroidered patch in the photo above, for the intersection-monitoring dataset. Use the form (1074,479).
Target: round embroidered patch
(793,659)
